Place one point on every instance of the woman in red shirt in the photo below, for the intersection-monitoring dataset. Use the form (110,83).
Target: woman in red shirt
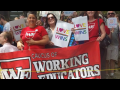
(33,36)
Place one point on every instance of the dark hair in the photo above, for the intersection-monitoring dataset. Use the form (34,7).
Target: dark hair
(96,16)
(68,19)
(118,15)
(1,16)
(82,13)
(8,36)
(47,25)
(32,12)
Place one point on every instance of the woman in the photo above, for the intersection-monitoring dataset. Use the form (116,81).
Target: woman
(62,16)
(51,22)
(33,36)
(94,33)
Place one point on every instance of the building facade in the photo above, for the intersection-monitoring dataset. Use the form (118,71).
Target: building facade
(10,15)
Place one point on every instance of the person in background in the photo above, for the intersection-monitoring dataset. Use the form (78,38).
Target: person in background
(62,16)
(69,20)
(75,14)
(118,20)
(16,18)
(112,50)
(82,13)
(43,19)
(1,30)
(6,41)
(21,16)
(26,22)
(33,36)
(103,17)
(6,25)
(39,22)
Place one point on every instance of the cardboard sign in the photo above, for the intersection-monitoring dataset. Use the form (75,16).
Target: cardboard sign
(62,34)
(16,26)
(76,62)
(68,13)
(56,13)
(81,26)
(112,22)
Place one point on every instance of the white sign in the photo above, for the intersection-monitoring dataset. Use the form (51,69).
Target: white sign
(62,34)
(16,26)
(56,13)
(112,22)
(68,13)
(81,27)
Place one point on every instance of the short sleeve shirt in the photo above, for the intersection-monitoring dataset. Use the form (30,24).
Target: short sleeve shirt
(35,34)
(6,27)
(94,29)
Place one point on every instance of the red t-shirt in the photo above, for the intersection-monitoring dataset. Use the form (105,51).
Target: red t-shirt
(34,33)
(107,30)
(94,29)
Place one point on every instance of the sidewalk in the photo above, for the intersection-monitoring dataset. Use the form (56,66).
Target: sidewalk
(117,73)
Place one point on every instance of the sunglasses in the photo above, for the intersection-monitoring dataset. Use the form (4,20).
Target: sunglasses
(111,13)
(50,18)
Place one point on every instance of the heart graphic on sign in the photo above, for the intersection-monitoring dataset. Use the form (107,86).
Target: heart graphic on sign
(16,27)
(91,26)
(77,25)
(60,29)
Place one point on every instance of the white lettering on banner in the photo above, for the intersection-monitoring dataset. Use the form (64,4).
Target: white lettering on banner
(20,75)
(51,66)
(39,67)
(62,64)
(77,73)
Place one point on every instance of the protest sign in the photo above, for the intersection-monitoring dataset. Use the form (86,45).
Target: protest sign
(112,22)
(16,26)
(56,13)
(62,34)
(68,13)
(76,62)
(81,27)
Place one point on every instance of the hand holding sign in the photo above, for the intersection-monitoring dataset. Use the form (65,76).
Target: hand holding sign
(81,28)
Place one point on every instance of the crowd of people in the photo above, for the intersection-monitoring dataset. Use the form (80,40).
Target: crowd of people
(44,28)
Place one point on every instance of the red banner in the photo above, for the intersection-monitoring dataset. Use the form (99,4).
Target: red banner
(76,62)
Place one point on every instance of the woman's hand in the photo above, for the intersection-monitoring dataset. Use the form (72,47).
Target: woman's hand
(20,45)
(30,42)
(73,30)
(51,43)
(99,39)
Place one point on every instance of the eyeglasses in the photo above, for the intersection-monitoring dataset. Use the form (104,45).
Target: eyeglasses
(50,18)
(111,13)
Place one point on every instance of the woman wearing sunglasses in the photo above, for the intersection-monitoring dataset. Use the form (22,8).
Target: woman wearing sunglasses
(51,21)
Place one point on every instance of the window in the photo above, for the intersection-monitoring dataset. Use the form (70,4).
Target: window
(14,14)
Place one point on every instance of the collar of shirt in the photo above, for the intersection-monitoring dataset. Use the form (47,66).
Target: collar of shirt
(6,44)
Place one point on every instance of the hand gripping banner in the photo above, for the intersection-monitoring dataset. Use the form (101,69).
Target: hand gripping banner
(76,62)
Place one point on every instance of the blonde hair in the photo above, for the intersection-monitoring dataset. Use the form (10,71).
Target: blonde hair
(16,18)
